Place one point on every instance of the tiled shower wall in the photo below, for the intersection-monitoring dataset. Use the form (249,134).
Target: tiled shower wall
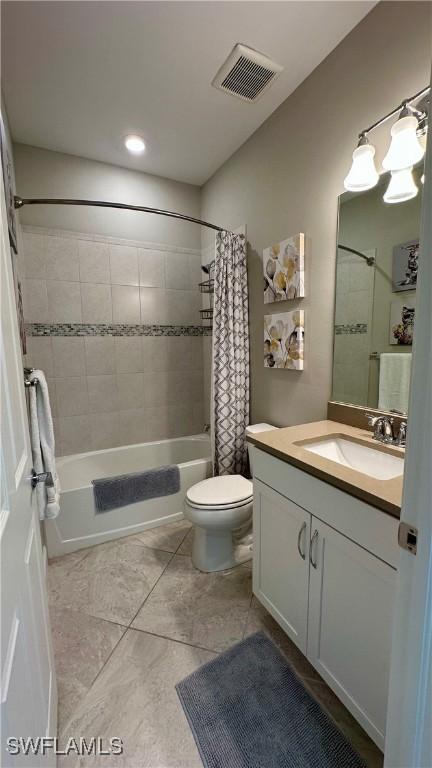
(106,307)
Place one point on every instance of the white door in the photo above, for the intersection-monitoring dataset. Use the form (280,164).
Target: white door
(281,560)
(28,686)
(351,597)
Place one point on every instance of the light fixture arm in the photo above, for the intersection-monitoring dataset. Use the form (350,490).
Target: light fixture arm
(404,105)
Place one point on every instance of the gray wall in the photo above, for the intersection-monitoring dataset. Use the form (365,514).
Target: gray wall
(287,177)
(41,173)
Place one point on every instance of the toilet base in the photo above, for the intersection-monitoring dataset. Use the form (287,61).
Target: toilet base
(215,551)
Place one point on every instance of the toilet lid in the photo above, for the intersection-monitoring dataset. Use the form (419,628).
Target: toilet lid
(220,491)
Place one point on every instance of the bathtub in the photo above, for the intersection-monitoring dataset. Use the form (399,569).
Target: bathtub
(79,526)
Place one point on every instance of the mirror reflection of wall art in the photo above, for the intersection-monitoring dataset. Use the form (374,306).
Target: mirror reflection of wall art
(405,266)
(402,316)
(283,265)
(284,340)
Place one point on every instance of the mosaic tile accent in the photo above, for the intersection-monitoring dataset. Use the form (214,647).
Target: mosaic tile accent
(351,328)
(116,329)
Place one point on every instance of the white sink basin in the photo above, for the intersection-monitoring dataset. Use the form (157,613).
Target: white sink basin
(363,458)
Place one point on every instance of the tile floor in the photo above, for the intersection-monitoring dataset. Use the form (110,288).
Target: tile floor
(131,618)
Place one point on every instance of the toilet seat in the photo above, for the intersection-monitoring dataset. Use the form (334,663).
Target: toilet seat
(223,492)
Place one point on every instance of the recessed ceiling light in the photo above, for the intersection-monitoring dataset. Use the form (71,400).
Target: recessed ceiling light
(134,144)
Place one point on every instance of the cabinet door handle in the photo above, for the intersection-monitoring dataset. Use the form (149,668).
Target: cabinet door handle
(300,534)
(313,540)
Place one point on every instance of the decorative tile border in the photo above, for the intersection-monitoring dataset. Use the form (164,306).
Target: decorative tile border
(75,235)
(118,329)
(351,328)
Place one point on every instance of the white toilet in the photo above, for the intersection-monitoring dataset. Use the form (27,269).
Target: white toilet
(218,507)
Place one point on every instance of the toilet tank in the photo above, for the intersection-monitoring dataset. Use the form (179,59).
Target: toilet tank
(253,429)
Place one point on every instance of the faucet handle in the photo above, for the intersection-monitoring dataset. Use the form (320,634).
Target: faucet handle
(401,438)
(373,419)
(377,423)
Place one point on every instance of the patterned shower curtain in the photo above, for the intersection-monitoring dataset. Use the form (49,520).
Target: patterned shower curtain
(230,355)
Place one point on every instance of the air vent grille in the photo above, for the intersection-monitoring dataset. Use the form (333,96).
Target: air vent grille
(246,73)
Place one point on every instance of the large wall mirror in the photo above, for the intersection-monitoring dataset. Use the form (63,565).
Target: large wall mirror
(376,279)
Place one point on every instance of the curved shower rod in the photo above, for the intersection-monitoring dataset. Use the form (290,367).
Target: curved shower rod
(20,202)
(370,260)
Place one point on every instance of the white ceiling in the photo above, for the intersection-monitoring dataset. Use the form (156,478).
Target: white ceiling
(79,76)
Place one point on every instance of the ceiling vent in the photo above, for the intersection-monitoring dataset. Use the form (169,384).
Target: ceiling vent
(246,73)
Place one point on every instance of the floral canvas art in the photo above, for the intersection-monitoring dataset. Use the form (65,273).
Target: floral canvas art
(402,323)
(283,265)
(284,340)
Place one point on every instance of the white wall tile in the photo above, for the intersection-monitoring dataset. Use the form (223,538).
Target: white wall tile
(34,255)
(62,258)
(183,307)
(128,354)
(155,353)
(96,303)
(156,422)
(179,353)
(52,394)
(103,393)
(105,432)
(177,272)
(94,262)
(68,356)
(155,389)
(195,272)
(64,302)
(126,304)
(154,306)
(151,268)
(130,390)
(124,265)
(72,398)
(39,354)
(75,434)
(133,426)
(100,355)
(35,300)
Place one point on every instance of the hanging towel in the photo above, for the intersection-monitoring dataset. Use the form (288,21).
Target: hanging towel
(121,490)
(43,446)
(394,381)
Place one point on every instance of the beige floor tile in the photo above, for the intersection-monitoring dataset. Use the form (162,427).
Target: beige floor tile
(345,721)
(82,644)
(260,619)
(166,537)
(109,581)
(205,609)
(185,547)
(134,698)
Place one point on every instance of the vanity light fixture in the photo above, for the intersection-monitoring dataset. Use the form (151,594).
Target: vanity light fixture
(407,148)
(401,187)
(363,174)
(134,144)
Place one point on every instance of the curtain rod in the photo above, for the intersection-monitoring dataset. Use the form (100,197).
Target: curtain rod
(369,259)
(20,202)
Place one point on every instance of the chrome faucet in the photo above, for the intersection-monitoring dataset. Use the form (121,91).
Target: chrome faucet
(384,430)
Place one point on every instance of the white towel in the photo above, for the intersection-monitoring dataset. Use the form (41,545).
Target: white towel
(43,446)
(394,381)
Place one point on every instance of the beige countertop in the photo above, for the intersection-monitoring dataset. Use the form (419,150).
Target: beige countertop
(283,443)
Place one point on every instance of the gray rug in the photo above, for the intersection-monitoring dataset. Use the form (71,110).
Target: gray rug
(248,709)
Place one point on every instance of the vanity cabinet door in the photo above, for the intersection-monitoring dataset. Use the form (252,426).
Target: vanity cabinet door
(350,624)
(281,560)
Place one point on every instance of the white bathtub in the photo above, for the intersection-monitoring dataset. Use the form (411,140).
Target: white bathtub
(79,526)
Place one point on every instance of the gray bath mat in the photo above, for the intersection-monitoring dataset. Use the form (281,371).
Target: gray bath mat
(121,490)
(248,709)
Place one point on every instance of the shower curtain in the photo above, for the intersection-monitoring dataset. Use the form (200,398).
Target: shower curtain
(230,367)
